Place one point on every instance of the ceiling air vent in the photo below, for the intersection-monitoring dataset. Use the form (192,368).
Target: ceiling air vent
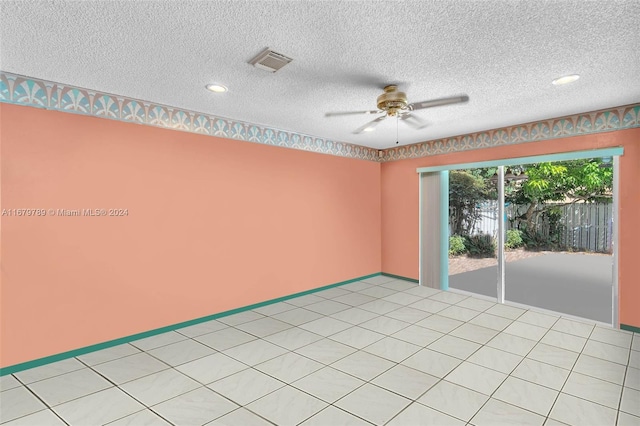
(269,60)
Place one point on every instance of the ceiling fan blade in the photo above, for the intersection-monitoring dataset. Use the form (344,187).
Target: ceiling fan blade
(438,102)
(370,125)
(336,114)
(414,121)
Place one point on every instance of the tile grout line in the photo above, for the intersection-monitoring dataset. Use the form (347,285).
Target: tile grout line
(369,381)
(124,391)
(490,396)
(363,349)
(358,387)
(624,380)
(415,400)
(569,375)
(47,407)
(597,378)
(546,417)
(292,351)
(425,347)
(202,385)
(445,376)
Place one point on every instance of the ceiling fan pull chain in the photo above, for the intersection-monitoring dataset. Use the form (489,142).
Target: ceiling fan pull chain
(397,120)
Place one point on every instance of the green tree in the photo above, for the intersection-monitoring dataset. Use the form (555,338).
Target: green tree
(466,190)
(565,182)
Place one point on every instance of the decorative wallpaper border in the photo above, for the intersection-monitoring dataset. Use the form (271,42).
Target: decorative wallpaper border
(607,120)
(20,90)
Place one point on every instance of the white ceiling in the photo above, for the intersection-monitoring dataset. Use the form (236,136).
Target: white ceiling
(503,54)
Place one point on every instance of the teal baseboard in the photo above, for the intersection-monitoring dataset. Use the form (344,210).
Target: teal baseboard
(630,328)
(413,280)
(81,351)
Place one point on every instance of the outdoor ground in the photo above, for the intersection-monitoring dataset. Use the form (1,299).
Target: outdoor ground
(459,264)
(548,280)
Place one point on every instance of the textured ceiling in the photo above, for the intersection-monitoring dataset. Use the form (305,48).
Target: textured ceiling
(503,54)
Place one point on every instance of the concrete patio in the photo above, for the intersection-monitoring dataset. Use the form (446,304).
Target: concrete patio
(571,283)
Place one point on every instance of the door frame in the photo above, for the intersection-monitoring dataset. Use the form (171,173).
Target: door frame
(615,153)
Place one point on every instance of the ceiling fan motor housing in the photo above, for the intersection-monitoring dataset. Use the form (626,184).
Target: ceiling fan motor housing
(392,101)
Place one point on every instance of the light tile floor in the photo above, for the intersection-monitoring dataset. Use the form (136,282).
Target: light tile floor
(379,351)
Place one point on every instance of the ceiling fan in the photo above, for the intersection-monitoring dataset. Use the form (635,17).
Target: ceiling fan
(393,103)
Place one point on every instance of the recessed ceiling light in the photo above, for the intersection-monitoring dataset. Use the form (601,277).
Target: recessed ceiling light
(217,88)
(565,80)
(368,129)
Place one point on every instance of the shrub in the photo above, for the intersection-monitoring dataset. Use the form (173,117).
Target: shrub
(514,239)
(456,245)
(481,245)
(535,240)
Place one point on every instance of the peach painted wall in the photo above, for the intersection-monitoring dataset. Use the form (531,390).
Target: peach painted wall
(400,205)
(212,225)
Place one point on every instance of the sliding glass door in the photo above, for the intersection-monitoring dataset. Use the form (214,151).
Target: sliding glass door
(559,237)
(473,231)
(535,231)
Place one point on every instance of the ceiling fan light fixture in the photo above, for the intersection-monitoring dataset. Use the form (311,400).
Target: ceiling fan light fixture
(392,100)
(216,88)
(565,79)
(393,103)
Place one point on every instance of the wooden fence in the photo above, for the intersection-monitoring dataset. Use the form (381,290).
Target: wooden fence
(580,226)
